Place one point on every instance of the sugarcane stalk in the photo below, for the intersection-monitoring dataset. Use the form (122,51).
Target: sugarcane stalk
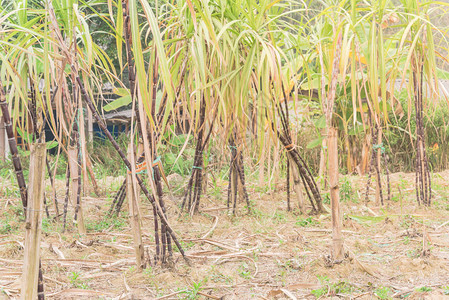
(228,202)
(66,200)
(102,125)
(165,241)
(117,197)
(288,185)
(241,173)
(13,148)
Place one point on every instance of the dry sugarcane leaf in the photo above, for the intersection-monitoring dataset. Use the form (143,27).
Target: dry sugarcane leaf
(78,292)
(295,286)
(362,266)
(289,294)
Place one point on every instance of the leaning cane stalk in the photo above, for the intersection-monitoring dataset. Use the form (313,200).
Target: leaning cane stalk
(102,125)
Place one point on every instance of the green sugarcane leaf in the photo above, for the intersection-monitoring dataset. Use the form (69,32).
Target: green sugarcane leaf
(315,143)
(51,144)
(118,103)
(321,122)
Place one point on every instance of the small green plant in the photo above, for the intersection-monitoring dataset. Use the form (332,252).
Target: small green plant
(244,271)
(192,293)
(76,281)
(185,245)
(407,221)
(149,272)
(327,288)
(406,240)
(324,282)
(424,289)
(115,222)
(279,217)
(8,223)
(217,276)
(445,289)
(305,222)
(346,191)
(46,225)
(383,293)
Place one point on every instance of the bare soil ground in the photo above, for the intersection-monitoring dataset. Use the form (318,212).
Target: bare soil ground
(398,250)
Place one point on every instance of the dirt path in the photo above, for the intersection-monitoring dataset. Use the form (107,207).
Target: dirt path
(398,250)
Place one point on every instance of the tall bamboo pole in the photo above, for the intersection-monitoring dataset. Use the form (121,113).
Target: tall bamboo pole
(332,153)
(34,223)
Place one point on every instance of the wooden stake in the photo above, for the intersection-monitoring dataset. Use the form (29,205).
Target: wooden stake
(34,222)
(134,216)
(322,170)
(335,194)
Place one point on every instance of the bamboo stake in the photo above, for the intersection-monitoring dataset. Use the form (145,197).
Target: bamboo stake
(34,223)
(135,219)
(332,152)
(18,169)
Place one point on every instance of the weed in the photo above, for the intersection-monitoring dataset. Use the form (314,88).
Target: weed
(305,222)
(445,289)
(47,226)
(149,272)
(76,281)
(244,271)
(217,276)
(8,223)
(424,289)
(279,217)
(327,288)
(326,198)
(407,221)
(383,293)
(192,293)
(185,245)
(115,222)
(406,240)
(346,191)
(5,228)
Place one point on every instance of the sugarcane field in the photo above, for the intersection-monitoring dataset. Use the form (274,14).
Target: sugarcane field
(193,149)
